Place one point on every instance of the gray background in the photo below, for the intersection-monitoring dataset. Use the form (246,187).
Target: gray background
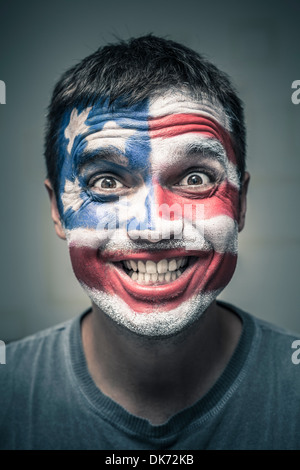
(256,42)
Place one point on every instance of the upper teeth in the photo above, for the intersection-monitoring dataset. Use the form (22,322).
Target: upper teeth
(163,266)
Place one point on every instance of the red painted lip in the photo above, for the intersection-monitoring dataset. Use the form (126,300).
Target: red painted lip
(207,271)
(146,255)
(164,292)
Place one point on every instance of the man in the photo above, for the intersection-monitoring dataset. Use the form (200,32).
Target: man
(145,154)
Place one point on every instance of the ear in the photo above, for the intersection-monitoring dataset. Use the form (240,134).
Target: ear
(54,211)
(243,201)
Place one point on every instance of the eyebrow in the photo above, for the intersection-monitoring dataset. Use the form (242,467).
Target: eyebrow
(211,148)
(110,154)
(208,147)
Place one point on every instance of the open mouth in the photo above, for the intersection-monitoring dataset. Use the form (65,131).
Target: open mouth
(145,278)
(149,272)
(164,278)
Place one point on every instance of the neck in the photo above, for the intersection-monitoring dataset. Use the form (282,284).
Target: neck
(156,378)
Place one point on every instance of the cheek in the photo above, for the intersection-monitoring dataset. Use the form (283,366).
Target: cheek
(91,215)
(223,202)
(88,268)
(220,271)
(211,275)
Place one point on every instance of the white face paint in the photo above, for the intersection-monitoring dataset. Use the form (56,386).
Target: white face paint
(172,152)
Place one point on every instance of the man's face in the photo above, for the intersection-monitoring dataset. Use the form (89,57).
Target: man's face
(149,201)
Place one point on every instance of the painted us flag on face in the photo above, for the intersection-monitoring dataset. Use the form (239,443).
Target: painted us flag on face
(146,150)
(146,139)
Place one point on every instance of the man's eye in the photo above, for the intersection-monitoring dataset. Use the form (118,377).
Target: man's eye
(195,179)
(107,182)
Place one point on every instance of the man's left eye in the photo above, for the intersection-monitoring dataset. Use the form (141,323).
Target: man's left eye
(196,178)
(107,183)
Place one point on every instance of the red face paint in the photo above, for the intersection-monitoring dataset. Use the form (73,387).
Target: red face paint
(105,265)
(178,124)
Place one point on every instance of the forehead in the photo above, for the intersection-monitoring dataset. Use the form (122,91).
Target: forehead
(165,122)
(182,103)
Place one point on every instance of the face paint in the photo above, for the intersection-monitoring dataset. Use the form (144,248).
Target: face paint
(149,203)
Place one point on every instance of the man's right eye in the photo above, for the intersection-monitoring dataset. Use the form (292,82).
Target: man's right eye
(106,183)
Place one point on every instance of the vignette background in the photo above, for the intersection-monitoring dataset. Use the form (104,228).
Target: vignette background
(255,42)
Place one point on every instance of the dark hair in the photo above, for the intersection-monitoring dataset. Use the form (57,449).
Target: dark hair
(134,70)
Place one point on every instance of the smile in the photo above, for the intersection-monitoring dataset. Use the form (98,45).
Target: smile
(159,277)
(145,279)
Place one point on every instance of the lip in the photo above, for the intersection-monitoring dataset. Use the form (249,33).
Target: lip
(146,255)
(209,271)
(165,292)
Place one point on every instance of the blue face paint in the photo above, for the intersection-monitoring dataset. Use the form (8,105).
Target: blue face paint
(109,180)
(148,222)
(87,136)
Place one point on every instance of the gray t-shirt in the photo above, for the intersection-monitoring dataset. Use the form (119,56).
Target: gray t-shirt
(49,400)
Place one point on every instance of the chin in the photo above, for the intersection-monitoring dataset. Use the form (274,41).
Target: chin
(155,322)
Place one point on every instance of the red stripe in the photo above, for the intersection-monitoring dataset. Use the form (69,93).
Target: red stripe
(177,124)
(221,200)
(213,272)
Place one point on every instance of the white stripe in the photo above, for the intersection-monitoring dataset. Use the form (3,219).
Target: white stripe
(156,323)
(111,135)
(171,151)
(220,234)
(181,102)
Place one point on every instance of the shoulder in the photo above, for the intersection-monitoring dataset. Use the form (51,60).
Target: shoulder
(36,373)
(281,347)
(275,350)
(274,335)
(36,342)
(34,354)
(267,329)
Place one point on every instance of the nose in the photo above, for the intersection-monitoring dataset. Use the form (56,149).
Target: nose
(154,218)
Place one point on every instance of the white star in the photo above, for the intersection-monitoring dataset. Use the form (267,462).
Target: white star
(71,197)
(76,126)
(110,134)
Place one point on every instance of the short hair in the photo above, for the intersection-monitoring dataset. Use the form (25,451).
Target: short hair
(132,71)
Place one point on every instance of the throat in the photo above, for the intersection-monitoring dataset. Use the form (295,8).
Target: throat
(156,379)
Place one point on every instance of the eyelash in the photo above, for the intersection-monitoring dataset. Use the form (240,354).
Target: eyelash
(207,172)
(113,195)
(92,181)
(211,174)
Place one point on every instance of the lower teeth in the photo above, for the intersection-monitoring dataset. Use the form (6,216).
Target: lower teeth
(147,278)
